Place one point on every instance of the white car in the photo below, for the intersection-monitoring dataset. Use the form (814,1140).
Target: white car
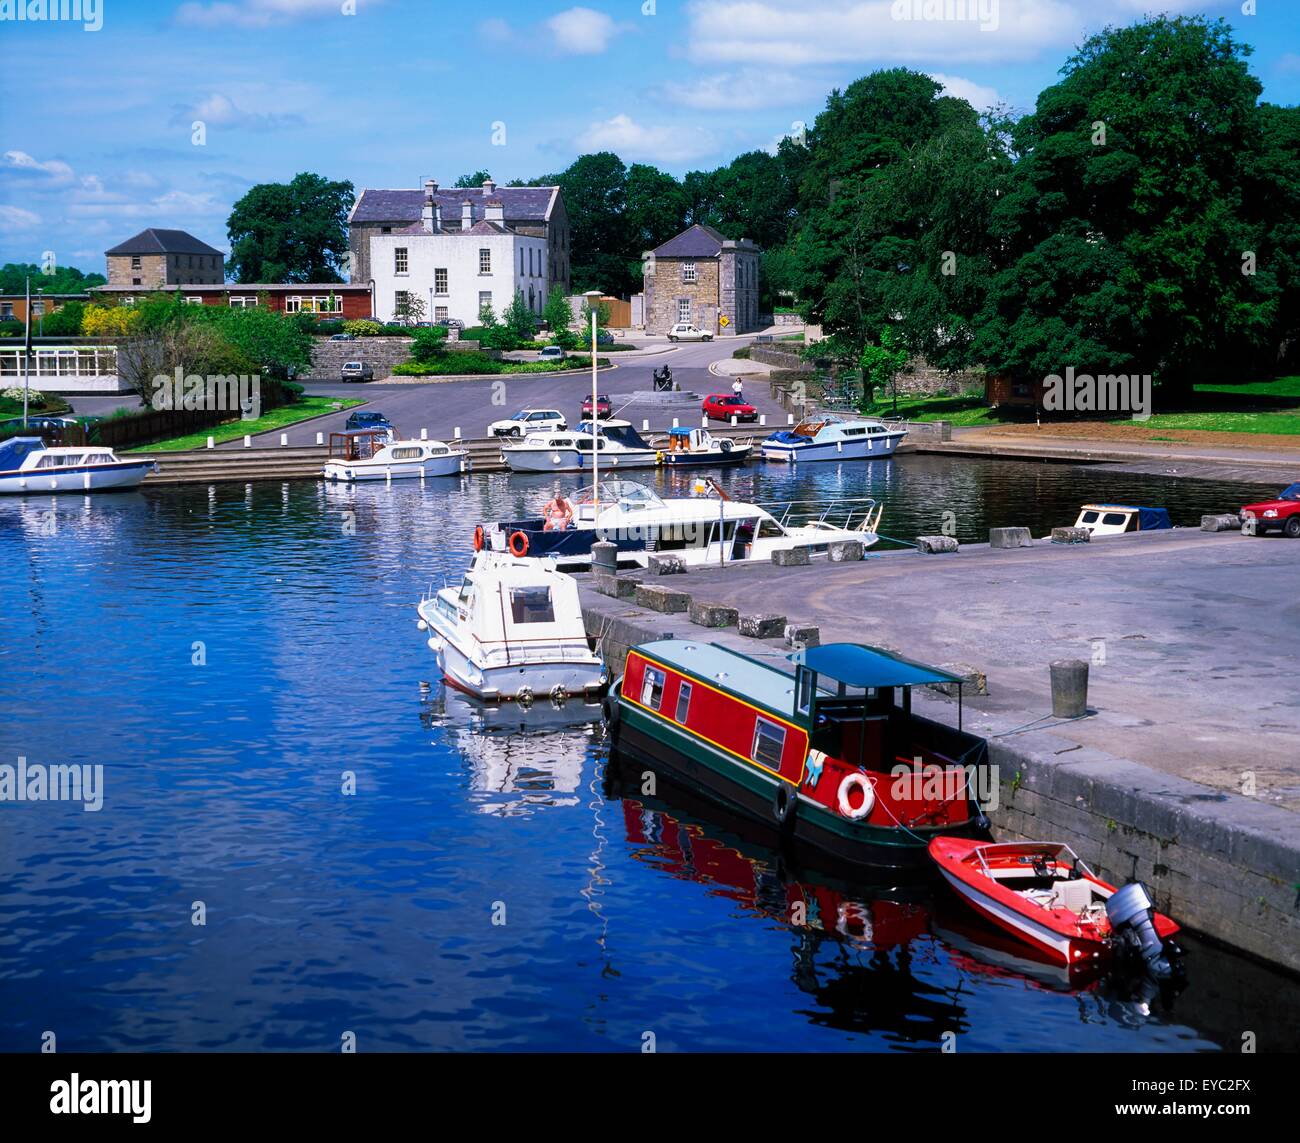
(684,331)
(529,421)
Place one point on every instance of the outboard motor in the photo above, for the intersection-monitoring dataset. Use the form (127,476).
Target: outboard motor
(1130,912)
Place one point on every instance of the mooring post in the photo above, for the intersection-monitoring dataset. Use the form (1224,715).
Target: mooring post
(1069,688)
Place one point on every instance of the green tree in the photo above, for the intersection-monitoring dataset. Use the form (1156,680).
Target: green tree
(477,179)
(279,345)
(62,279)
(65,321)
(595,197)
(881,364)
(426,344)
(556,313)
(519,319)
(290,232)
(409,309)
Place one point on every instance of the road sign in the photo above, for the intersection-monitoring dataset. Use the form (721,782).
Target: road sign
(724,321)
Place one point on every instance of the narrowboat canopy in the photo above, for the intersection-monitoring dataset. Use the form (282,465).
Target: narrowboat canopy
(860,666)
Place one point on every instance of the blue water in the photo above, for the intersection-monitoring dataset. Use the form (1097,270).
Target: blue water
(229,656)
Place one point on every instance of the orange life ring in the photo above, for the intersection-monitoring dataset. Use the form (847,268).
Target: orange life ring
(520,549)
(478,538)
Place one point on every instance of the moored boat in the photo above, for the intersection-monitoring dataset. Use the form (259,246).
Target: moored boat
(829,753)
(373,456)
(512,629)
(1116,519)
(832,437)
(1041,893)
(693,447)
(616,444)
(28,465)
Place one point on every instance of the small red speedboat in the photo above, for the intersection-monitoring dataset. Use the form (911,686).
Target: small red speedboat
(1043,894)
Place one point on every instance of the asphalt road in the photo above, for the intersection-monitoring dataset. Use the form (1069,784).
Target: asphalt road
(443,406)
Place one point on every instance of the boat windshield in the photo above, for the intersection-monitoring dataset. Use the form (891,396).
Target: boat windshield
(15,450)
(622,491)
(619,431)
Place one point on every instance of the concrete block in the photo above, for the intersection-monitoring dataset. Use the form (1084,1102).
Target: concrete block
(799,635)
(791,557)
(1070,535)
(615,586)
(974,681)
(762,626)
(665,564)
(1227,522)
(713,614)
(1010,538)
(663,599)
(1069,688)
(845,551)
(935,544)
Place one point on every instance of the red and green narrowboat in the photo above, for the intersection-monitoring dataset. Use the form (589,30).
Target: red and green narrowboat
(824,747)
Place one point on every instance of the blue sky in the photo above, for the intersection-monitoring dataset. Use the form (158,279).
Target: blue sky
(96,127)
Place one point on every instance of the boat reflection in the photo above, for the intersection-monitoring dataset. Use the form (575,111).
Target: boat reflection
(521,758)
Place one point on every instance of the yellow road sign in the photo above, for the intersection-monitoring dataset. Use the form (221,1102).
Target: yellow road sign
(724,320)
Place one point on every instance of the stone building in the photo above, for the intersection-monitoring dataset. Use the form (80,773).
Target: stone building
(155,258)
(536,212)
(703,278)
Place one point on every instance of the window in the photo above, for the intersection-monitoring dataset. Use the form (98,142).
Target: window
(769,744)
(485,261)
(530,262)
(400,260)
(1114,519)
(243,301)
(440,280)
(38,308)
(193,299)
(412,453)
(683,702)
(135,261)
(292,305)
(804,690)
(401,299)
(531,605)
(688,271)
(6,311)
(439,313)
(652,688)
(385,230)
(683,309)
(484,299)
(521,261)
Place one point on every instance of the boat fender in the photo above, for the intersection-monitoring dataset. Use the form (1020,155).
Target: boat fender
(478,538)
(726,445)
(856,781)
(559,696)
(518,545)
(524,696)
(785,804)
(609,709)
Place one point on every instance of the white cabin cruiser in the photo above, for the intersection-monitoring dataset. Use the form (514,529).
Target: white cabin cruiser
(831,437)
(617,444)
(512,629)
(707,528)
(372,456)
(28,465)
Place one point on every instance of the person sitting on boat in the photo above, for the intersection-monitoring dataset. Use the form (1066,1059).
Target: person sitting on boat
(558,513)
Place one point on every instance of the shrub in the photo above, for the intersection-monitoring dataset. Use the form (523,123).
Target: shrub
(15,393)
(427,344)
(109,321)
(11,328)
(362,327)
(65,321)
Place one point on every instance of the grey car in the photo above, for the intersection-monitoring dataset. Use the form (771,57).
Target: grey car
(357,371)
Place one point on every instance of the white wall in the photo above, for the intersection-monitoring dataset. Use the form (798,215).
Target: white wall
(459,255)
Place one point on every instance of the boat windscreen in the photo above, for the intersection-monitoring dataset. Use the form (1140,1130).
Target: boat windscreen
(14,451)
(625,435)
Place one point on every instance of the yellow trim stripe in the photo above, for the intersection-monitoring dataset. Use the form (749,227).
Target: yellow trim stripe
(733,698)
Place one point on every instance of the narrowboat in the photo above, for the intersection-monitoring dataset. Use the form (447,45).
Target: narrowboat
(1116,519)
(28,465)
(831,437)
(829,753)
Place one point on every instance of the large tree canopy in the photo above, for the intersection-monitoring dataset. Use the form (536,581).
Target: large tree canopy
(290,232)
(64,279)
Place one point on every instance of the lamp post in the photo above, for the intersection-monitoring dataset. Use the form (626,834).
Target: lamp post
(593,303)
(41,290)
(27,349)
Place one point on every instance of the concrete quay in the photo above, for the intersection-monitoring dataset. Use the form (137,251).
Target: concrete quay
(1184,773)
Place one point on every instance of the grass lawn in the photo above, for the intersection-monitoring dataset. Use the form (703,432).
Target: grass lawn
(233,430)
(13,407)
(966,409)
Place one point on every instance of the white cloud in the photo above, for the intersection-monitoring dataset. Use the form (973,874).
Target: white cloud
(871,32)
(15,218)
(258,13)
(582,31)
(218,110)
(976,94)
(496,31)
(743,91)
(21,165)
(631,140)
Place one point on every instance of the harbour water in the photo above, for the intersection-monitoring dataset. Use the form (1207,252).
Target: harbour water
(371,855)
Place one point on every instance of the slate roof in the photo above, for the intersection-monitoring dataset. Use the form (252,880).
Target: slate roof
(698,241)
(521,203)
(155,241)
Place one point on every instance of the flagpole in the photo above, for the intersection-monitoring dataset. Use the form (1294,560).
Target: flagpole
(27,349)
(593,304)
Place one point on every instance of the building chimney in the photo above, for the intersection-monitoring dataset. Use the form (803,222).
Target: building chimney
(431,185)
(495,212)
(437,216)
(489,186)
(466,215)
(427,215)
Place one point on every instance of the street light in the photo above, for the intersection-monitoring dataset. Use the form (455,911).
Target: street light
(593,304)
(41,290)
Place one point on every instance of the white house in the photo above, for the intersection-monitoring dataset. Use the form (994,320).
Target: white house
(454,272)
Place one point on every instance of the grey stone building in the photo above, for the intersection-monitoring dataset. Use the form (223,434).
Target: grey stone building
(703,278)
(155,258)
(534,211)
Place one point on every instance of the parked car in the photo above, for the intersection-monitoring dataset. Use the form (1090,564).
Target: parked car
(343,337)
(527,421)
(357,371)
(603,407)
(450,323)
(551,353)
(1282,514)
(604,337)
(367,422)
(42,421)
(684,331)
(724,406)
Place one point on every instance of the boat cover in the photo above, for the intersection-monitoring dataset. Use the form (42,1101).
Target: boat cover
(860,666)
(16,449)
(787,437)
(1152,518)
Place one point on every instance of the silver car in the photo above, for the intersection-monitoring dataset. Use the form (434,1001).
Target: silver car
(684,331)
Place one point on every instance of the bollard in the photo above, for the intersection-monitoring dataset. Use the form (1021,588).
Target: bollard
(604,557)
(211,443)
(675,424)
(320,438)
(762,420)
(704,421)
(1069,688)
(645,426)
(734,421)
(248,442)
(456,432)
(789,418)
(284,439)
(424,434)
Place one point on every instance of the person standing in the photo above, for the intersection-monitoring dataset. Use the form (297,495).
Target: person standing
(738,388)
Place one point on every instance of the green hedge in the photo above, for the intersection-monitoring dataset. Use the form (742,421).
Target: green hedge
(453,364)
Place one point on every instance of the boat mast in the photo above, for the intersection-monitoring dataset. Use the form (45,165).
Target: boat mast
(593,305)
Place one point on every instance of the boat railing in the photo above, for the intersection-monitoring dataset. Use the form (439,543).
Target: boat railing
(849,513)
(512,651)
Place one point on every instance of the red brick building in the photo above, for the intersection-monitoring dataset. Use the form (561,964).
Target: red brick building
(327,300)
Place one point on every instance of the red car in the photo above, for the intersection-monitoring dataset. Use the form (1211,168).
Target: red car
(1282,514)
(724,406)
(603,407)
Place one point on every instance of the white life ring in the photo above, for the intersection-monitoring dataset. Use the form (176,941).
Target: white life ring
(856,780)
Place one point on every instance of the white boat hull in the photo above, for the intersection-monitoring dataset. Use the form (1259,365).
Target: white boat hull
(95,478)
(351,472)
(570,460)
(878,446)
